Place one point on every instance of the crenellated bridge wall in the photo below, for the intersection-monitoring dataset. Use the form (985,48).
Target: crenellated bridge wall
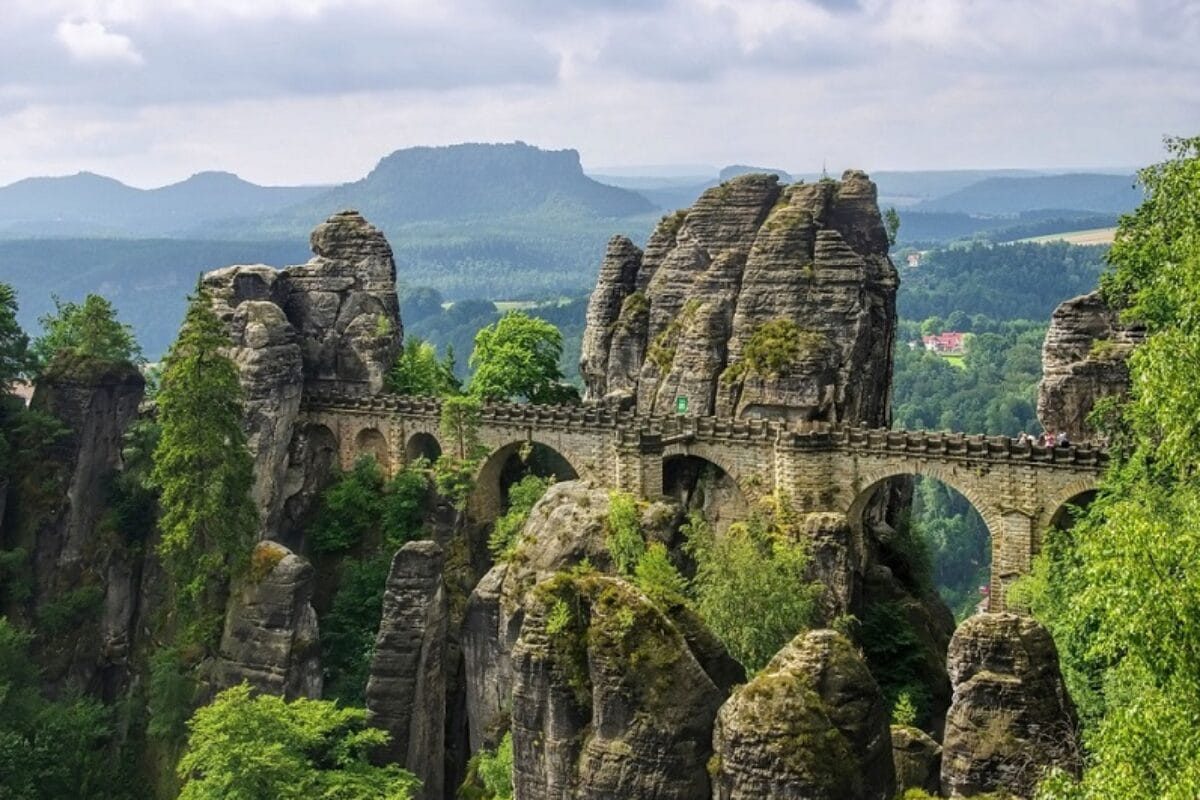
(1020,490)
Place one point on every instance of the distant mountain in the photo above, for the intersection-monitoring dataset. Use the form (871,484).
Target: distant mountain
(87,204)
(1110,194)
(463,182)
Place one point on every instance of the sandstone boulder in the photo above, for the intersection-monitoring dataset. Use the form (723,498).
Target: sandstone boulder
(918,760)
(406,690)
(565,528)
(271,639)
(811,725)
(1083,359)
(1011,718)
(608,699)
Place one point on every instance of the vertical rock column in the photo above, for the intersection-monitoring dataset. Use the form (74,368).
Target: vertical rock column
(1011,718)
(406,691)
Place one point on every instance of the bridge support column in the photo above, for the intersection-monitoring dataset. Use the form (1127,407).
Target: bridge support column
(1012,554)
(640,467)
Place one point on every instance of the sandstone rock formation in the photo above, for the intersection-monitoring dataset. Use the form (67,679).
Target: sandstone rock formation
(1011,718)
(270,638)
(334,321)
(406,691)
(566,527)
(75,558)
(1083,360)
(759,301)
(918,760)
(608,699)
(811,725)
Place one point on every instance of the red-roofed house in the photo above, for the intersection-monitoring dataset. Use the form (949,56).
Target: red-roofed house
(948,343)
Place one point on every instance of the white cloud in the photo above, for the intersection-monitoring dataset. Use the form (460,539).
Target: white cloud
(89,41)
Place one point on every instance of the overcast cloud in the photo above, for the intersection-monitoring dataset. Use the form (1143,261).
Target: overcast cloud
(316,91)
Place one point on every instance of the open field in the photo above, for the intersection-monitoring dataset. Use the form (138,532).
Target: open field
(1092,236)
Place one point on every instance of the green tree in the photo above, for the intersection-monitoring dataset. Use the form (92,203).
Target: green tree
(50,749)
(14,344)
(517,359)
(1129,631)
(751,585)
(90,329)
(891,222)
(247,747)
(418,371)
(202,467)
(15,360)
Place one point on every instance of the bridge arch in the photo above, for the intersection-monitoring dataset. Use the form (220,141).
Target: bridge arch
(698,476)
(422,445)
(872,481)
(1057,512)
(372,442)
(507,464)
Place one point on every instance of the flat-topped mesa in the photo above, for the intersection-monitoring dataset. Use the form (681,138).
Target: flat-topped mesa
(1083,360)
(761,300)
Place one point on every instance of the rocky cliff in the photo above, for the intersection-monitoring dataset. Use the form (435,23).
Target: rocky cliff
(1083,359)
(333,322)
(608,699)
(1011,718)
(761,300)
(84,575)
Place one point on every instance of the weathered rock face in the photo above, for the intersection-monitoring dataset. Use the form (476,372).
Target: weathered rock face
(678,319)
(608,700)
(406,691)
(566,527)
(1011,718)
(811,725)
(918,760)
(334,321)
(73,554)
(270,638)
(1083,359)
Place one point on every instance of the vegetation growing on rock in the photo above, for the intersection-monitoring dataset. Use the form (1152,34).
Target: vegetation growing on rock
(752,585)
(1121,590)
(260,747)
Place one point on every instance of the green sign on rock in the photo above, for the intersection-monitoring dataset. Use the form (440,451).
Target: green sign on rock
(681,405)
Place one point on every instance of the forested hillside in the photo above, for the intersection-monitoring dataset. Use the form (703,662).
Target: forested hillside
(1011,281)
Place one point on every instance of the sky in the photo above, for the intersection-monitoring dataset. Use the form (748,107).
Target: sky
(317,91)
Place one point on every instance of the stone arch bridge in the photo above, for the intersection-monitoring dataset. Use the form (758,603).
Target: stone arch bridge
(1019,490)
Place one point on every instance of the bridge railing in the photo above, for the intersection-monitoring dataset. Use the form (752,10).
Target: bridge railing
(632,427)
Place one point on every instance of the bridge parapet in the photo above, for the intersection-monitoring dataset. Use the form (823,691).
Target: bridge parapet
(1019,489)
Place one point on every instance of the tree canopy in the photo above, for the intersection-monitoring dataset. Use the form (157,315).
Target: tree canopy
(260,747)
(418,371)
(90,328)
(517,359)
(201,463)
(14,344)
(1121,590)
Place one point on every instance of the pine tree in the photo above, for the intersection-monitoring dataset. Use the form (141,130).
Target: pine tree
(202,466)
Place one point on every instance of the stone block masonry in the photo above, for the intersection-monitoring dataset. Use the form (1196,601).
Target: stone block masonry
(1020,490)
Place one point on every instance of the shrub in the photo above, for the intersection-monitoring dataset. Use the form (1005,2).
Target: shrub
(70,610)
(258,746)
(751,586)
(350,508)
(657,577)
(522,497)
(623,536)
